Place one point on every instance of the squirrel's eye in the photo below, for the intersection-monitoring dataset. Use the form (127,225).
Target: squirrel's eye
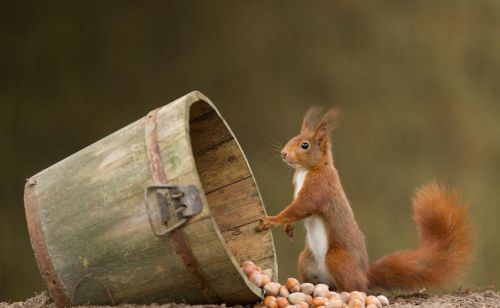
(304,145)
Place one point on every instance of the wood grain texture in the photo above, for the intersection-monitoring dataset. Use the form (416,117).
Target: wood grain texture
(231,191)
(236,204)
(96,229)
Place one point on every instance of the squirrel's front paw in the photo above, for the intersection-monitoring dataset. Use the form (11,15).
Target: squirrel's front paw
(264,225)
(289,231)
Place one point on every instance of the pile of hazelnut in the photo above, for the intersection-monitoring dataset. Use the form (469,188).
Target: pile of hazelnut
(306,295)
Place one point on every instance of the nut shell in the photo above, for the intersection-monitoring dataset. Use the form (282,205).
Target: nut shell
(322,285)
(335,303)
(284,292)
(355,295)
(373,301)
(296,298)
(272,305)
(363,294)
(309,299)
(292,285)
(344,296)
(319,301)
(303,305)
(268,299)
(256,279)
(248,267)
(268,272)
(307,288)
(356,303)
(272,288)
(265,279)
(321,291)
(333,295)
(282,302)
(383,300)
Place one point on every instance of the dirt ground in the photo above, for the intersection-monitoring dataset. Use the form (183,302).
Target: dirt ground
(463,298)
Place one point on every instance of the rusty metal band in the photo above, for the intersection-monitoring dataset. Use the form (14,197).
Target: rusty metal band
(37,238)
(178,238)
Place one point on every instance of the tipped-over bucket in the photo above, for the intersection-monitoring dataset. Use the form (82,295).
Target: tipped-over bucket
(162,210)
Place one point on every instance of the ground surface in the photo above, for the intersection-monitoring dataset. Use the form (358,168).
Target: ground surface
(465,298)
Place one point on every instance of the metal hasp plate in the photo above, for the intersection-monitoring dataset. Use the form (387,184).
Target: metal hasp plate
(169,206)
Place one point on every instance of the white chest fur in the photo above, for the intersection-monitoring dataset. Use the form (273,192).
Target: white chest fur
(317,241)
(300,177)
(317,238)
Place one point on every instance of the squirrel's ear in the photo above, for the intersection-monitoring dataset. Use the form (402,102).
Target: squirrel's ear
(310,119)
(327,124)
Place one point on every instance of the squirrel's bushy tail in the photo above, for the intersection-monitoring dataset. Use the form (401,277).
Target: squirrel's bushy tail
(445,248)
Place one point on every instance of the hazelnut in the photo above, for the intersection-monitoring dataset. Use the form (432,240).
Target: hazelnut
(363,294)
(268,272)
(256,279)
(321,290)
(384,301)
(284,292)
(333,295)
(268,299)
(248,267)
(319,301)
(344,296)
(296,298)
(265,279)
(272,288)
(309,299)
(272,305)
(356,303)
(292,285)
(303,305)
(282,302)
(373,300)
(335,303)
(322,285)
(307,288)
(355,295)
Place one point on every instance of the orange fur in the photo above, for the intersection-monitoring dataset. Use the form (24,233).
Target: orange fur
(442,224)
(445,244)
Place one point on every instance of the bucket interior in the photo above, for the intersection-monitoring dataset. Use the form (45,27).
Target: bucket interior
(228,183)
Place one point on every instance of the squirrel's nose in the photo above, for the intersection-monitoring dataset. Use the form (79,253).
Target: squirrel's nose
(283,154)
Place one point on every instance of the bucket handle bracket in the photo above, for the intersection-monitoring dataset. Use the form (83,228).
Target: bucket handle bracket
(161,199)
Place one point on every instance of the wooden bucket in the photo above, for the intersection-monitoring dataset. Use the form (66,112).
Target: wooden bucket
(162,210)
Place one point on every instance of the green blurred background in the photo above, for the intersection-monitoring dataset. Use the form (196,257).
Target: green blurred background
(418,82)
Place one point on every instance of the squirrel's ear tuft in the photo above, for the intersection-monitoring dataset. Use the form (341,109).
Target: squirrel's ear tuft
(328,123)
(310,119)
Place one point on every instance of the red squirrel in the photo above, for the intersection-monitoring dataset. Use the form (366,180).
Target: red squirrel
(335,251)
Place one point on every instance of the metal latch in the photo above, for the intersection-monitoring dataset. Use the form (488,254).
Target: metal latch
(169,206)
